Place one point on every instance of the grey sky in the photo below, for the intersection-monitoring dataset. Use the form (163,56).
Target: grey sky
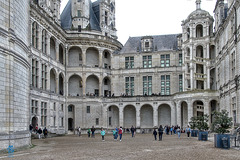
(152,17)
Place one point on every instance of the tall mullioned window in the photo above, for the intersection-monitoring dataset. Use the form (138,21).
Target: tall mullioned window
(180,83)
(35,73)
(35,35)
(129,62)
(147,85)
(43,113)
(44,41)
(78,13)
(165,85)
(129,86)
(233,63)
(147,61)
(34,105)
(180,59)
(44,76)
(165,60)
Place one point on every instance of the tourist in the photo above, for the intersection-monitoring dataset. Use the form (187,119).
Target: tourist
(45,132)
(120,133)
(160,132)
(171,130)
(114,134)
(36,128)
(89,132)
(188,130)
(79,131)
(155,134)
(93,130)
(39,133)
(102,134)
(178,132)
(132,131)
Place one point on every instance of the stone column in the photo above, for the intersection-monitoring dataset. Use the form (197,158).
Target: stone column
(57,86)
(84,83)
(121,116)
(155,114)
(100,86)
(48,45)
(138,118)
(100,63)
(84,56)
(48,77)
(57,50)
(40,38)
(173,114)
(179,114)
(190,110)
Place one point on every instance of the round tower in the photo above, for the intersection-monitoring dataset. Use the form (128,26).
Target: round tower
(14,80)
(197,32)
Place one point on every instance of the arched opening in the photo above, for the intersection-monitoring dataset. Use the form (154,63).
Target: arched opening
(146,115)
(70,124)
(213,85)
(106,60)
(53,81)
(61,54)
(92,57)
(74,57)
(198,108)
(71,109)
(213,107)
(52,48)
(199,51)
(199,31)
(129,116)
(75,86)
(188,33)
(113,116)
(92,86)
(34,122)
(61,84)
(106,87)
(164,115)
(184,114)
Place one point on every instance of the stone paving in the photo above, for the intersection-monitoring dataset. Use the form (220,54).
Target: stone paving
(143,146)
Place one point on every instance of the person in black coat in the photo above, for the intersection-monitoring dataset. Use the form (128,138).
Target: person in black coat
(39,133)
(45,132)
(155,134)
(160,132)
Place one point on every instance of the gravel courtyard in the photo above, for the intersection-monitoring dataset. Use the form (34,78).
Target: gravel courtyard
(143,146)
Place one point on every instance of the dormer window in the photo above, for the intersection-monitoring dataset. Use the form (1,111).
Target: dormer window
(147,44)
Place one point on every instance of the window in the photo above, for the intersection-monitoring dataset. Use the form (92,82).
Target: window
(35,35)
(129,86)
(43,113)
(106,17)
(165,60)
(147,85)
(96,91)
(44,76)
(129,62)
(233,62)
(44,41)
(110,109)
(54,121)
(54,106)
(105,65)
(146,44)
(78,13)
(79,0)
(110,121)
(88,109)
(34,107)
(70,108)
(34,73)
(105,54)
(180,83)
(165,85)
(62,108)
(62,122)
(180,59)
(105,81)
(147,61)
(97,121)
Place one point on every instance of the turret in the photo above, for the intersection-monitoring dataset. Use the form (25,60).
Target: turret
(220,13)
(52,7)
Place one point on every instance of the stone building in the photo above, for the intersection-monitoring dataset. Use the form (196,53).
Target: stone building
(69,70)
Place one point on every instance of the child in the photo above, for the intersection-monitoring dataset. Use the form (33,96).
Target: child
(155,134)
(88,132)
(114,134)
(103,134)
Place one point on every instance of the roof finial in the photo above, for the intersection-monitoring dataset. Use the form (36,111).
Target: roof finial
(198,4)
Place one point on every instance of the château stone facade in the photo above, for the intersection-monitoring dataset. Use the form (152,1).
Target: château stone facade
(69,70)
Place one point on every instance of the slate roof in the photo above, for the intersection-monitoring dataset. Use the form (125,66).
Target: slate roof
(66,18)
(160,43)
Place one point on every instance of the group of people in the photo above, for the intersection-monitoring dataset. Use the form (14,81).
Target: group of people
(116,132)
(38,131)
(173,130)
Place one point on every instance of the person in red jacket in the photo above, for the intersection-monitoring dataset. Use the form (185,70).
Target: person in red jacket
(120,133)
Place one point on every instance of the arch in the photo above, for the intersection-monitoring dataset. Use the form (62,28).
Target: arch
(35,35)
(53,80)
(146,116)
(70,124)
(199,51)
(61,84)
(34,122)
(61,53)
(164,115)
(92,85)
(106,86)
(106,59)
(198,108)
(92,57)
(129,116)
(75,86)
(113,116)
(199,31)
(184,114)
(75,57)
(53,48)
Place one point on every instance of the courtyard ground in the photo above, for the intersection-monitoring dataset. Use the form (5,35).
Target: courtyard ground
(143,146)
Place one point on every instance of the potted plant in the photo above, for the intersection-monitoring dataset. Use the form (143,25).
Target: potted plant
(220,125)
(200,122)
(193,125)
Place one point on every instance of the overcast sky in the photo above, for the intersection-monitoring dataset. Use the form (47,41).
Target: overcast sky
(152,17)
